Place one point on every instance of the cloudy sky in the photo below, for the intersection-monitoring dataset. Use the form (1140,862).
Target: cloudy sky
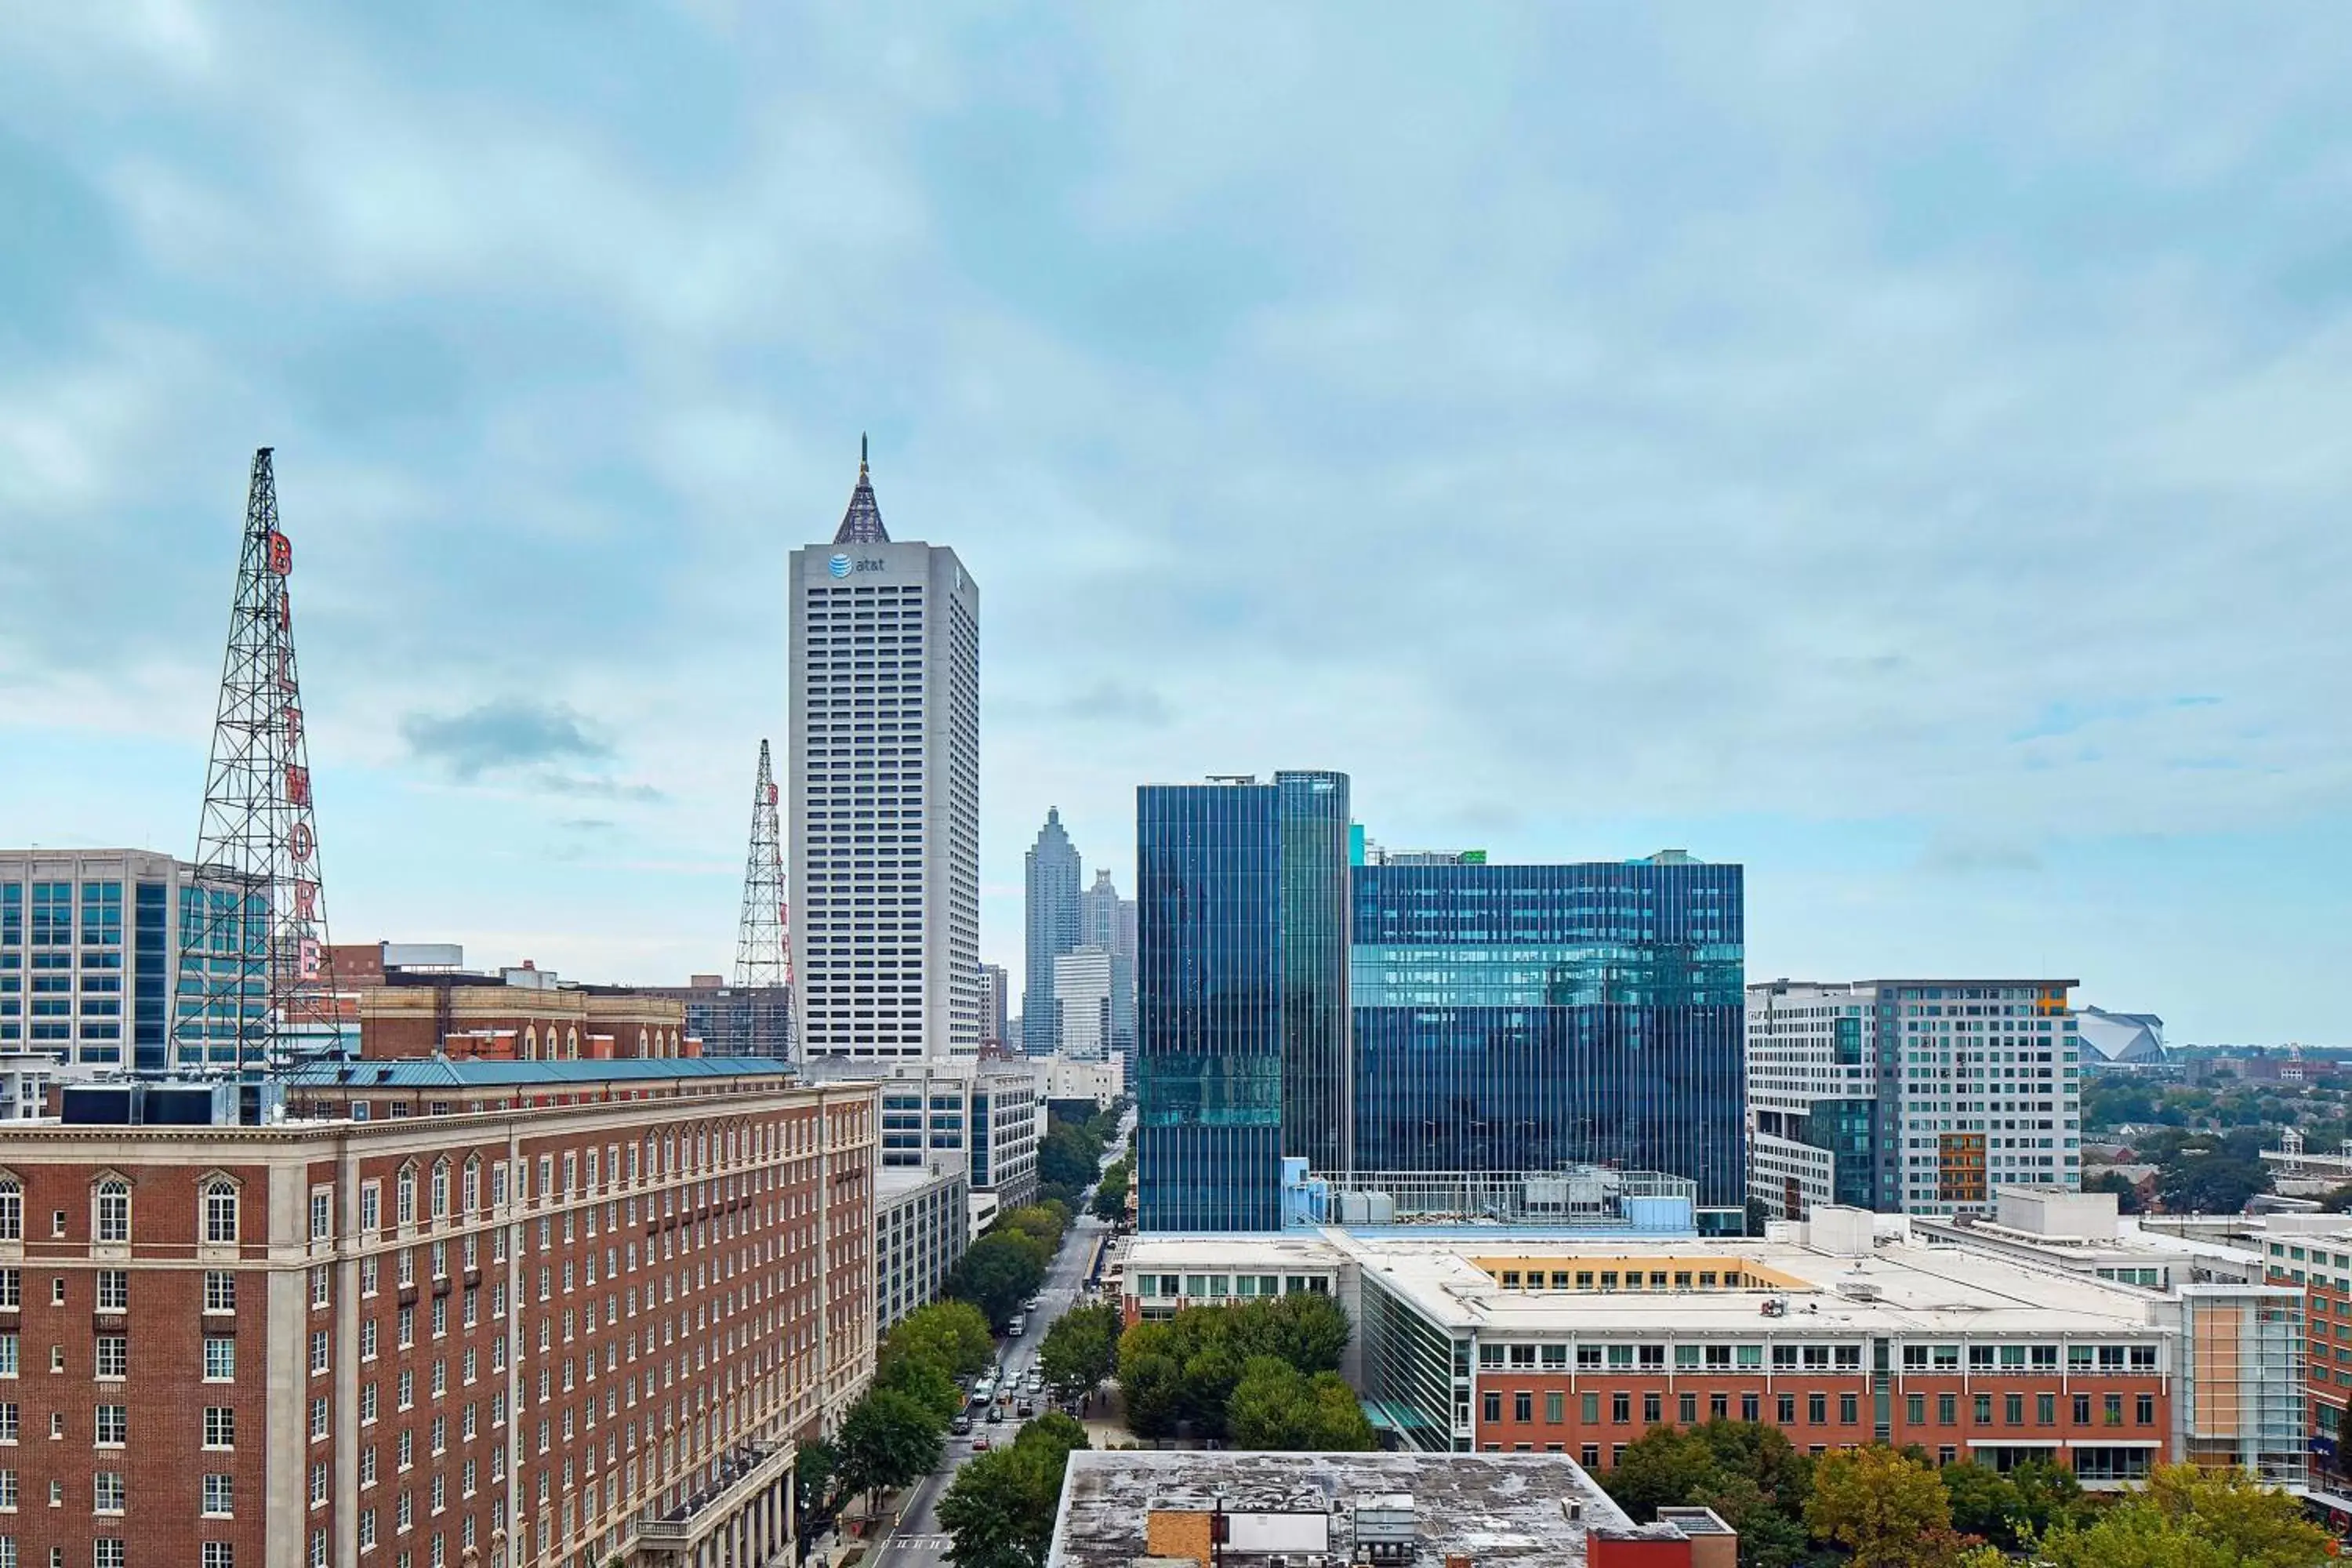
(1905,450)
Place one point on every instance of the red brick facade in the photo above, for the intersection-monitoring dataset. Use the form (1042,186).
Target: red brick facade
(499,1336)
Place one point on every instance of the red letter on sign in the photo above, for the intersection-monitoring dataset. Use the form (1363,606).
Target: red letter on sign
(299,843)
(293,725)
(309,959)
(298,785)
(281,554)
(306,902)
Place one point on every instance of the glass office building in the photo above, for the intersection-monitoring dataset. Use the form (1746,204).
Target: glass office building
(1241,994)
(1529,1017)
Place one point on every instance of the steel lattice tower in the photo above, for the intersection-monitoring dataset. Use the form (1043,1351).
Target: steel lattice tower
(762,946)
(254,944)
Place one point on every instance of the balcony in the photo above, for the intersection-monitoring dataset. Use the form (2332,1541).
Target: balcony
(747,1470)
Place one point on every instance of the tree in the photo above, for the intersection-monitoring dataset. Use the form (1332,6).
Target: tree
(2047,1495)
(1748,1473)
(1080,1350)
(955,1334)
(1070,1157)
(2116,1182)
(1275,1405)
(999,1272)
(2190,1517)
(2338,1200)
(925,1381)
(1983,1501)
(1001,1507)
(2210,1180)
(1043,1223)
(814,1466)
(887,1439)
(1178,1376)
(1886,1508)
(1310,1331)
(1110,1193)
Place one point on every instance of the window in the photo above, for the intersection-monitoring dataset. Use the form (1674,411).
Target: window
(113,1424)
(219,1554)
(1785,1409)
(1621,1409)
(1523,1405)
(113,1356)
(112,1215)
(1686,1409)
(404,1204)
(1493,1406)
(220,1290)
(220,1211)
(1555,1407)
(106,1493)
(320,1353)
(2145,1414)
(2082,1410)
(219,1494)
(106,1552)
(1984,1409)
(220,1427)
(12,1209)
(1915,1409)
(1817,1409)
(318,1417)
(1591,1408)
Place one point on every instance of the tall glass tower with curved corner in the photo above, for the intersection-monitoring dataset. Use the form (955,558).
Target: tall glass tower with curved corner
(1243,1042)
(1049,914)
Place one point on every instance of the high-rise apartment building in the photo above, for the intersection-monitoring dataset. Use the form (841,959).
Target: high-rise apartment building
(92,966)
(1243,1040)
(520,1333)
(1911,1096)
(1108,922)
(1082,988)
(1532,1017)
(1050,925)
(885,792)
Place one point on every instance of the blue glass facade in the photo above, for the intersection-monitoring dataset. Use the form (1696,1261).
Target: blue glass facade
(1527,1017)
(1317,1037)
(1209,1006)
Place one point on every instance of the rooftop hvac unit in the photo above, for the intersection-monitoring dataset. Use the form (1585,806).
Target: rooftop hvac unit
(1858,1291)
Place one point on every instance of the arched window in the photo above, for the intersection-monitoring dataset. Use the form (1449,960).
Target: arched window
(12,1209)
(530,1044)
(440,1189)
(571,1045)
(403,1201)
(470,1191)
(111,1218)
(642,1048)
(220,1211)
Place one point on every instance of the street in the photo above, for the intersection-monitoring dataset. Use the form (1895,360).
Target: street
(919,1541)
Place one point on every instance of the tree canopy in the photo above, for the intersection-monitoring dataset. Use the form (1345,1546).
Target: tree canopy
(999,1272)
(1276,1405)
(952,1334)
(2190,1517)
(1750,1473)
(1887,1508)
(1000,1507)
(888,1438)
(1080,1350)
(1179,1376)
(1110,1194)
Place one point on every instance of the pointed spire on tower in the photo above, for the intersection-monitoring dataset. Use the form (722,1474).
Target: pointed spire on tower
(861,523)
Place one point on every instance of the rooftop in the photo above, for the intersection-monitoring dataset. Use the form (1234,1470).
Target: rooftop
(1531,1509)
(443,1072)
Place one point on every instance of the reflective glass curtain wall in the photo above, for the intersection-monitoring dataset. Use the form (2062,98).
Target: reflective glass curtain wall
(1318,1040)
(1526,1017)
(1209,1006)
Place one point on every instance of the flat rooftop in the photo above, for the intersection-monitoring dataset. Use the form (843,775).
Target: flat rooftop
(1897,1287)
(1494,1508)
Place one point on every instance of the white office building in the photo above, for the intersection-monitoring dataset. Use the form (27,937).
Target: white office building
(1910,1096)
(1083,990)
(885,793)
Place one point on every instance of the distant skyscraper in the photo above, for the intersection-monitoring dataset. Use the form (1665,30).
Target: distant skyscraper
(1108,922)
(1050,916)
(1529,1017)
(995,997)
(1082,988)
(1242,994)
(885,792)
(1911,1096)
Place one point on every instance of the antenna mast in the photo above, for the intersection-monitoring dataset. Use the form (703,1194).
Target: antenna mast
(254,943)
(764,943)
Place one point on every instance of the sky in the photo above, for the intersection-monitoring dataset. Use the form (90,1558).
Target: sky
(1902,449)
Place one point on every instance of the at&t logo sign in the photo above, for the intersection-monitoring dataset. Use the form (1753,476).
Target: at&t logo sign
(843,565)
(840,566)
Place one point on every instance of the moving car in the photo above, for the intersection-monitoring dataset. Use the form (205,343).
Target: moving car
(1026,1410)
(979,1445)
(960,1425)
(995,1414)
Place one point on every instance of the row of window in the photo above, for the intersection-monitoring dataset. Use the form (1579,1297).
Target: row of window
(1590,1356)
(2086,1408)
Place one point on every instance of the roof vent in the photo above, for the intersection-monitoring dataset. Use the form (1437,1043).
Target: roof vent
(1858,1291)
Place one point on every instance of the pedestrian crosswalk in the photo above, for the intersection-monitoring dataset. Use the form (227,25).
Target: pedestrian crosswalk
(919,1542)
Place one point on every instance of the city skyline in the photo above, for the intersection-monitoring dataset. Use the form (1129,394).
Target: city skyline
(1892,539)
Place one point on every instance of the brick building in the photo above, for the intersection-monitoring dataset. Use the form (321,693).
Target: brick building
(562,1322)
(520,1014)
(1838,1336)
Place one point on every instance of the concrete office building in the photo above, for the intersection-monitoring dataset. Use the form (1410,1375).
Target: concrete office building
(1083,980)
(519,1333)
(922,1223)
(1108,922)
(732,1020)
(883,811)
(1049,916)
(995,997)
(1910,1096)
(982,1113)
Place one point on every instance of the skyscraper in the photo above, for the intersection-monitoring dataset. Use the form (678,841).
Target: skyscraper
(885,791)
(1082,989)
(1529,1017)
(1050,919)
(1912,1096)
(995,997)
(1241,993)
(1108,922)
